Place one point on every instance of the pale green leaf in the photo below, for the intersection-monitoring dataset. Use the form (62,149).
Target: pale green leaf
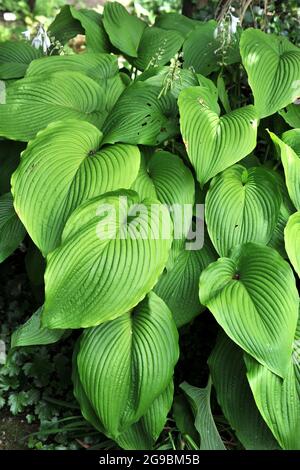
(33,102)
(126,363)
(32,333)
(253,296)
(272,64)
(292,241)
(242,205)
(63,167)
(291,114)
(234,395)
(113,250)
(124,30)
(214,143)
(204,421)
(12,231)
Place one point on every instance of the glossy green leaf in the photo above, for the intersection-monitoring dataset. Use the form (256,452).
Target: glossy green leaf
(65,26)
(291,114)
(178,286)
(166,178)
(33,102)
(157,47)
(126,363)
(12,231)
(279,400)
(113,250)
(253,296)
(234,395)
(96,37)
(32,333)
(140,117)
(63,167)
(214,143)
(204,421)
(242,205)
(176,22)
(15,58)
(124,30)
(273,68)
(291,162)
(292,241)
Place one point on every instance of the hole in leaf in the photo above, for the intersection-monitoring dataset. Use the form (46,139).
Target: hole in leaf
(92,152)
(236,277)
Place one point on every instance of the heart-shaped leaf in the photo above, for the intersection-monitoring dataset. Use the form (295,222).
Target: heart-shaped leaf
(33,102)
(63,167)
(273,67)
(214,143)
(12,231)
(279,400)
(32,333)
(141,117)
(253,296)
(126,363)
(241,206)
(15,57)
(178,286)
(124,30)
(113,250)
(157,47)
(140,435)
(292,241)
(290,156)
(234,395)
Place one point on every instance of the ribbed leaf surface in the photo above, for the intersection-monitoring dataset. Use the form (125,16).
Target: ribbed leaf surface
(273,68)
(214,143)
(12,231)
(113,251)
(176,22)
(15,58)
(253,296)
(33,102)
(125,364)
(242,206)
(32,333)
(139,117)
(234,395)
(62,168)
(292,241)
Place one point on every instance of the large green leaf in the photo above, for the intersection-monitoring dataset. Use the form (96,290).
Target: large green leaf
(113,250)
(9,160)
(15,58)
(166,178)
(32,333)
(124,30)
(61,168)
(228,373)
(176,22)
(12,231)
(214,143)
(178,286)
(140,435)
(140,117)
(173,79)
(273,67)
(291,114)
(279,400)
(157,47)
(65,26)
(253,296)
(33,102)
(291,162)
(126,363)
(204,51)
(292,241)
(204,421)
(242,205)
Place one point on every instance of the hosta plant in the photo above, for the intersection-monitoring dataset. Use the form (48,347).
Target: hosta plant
(158,175)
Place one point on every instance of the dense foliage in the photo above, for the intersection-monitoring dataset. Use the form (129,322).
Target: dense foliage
(119,148)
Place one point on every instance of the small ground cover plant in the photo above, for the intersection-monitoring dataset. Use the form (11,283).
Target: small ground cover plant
(157,175)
